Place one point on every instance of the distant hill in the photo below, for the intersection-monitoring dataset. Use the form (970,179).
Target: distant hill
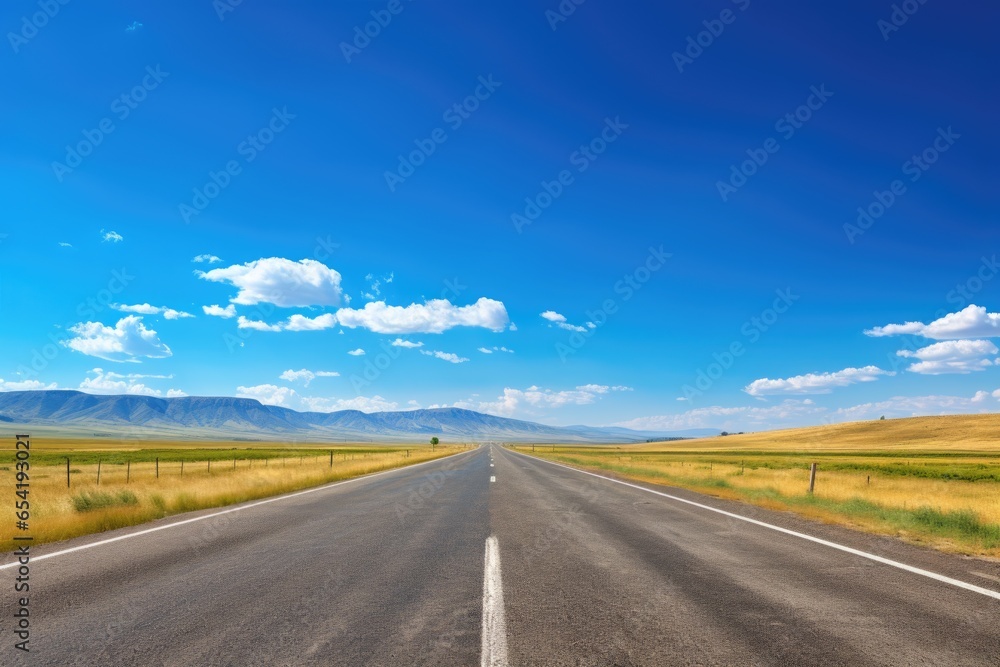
(227,417)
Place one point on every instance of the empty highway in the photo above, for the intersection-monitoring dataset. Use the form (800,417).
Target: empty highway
(514,561)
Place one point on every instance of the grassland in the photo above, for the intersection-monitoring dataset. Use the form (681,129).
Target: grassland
(140,482)
(927,480)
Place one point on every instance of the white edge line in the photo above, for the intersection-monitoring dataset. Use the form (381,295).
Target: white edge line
(493,652)
(228,511)
(833,545)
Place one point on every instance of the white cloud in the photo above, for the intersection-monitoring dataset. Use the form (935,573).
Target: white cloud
(211,259)
(175,393)
(602,388)
(560,321)
(914,406)
(996,394)
(25,385)
(729,418)
(535,398)
(814,383)
(112,237)
(951,356)
(218,311)
(302,323)
(256,325)
(495,348)
(399,342)
(268,394)
(281,282)
(356,353)
(446,356)
(362,403)
(109,382)
(146,309)
(63,244)
(435,316)
(306,375)
(128,340)
(971,322)
(485,351)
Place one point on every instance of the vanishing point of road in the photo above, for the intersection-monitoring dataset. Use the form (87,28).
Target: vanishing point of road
(490,557)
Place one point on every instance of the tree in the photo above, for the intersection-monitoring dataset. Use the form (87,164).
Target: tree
(882,418)
(434,441)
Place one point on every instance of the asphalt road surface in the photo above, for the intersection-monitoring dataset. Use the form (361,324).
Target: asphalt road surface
(514,561)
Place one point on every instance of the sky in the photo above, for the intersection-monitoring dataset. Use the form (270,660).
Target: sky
(730,214)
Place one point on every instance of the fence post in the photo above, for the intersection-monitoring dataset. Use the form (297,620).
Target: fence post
(812,477)
(67,472)
(157,467)
(331,458)
(234,463)
(98,472)
(182,467)
(128,471)
(210,466)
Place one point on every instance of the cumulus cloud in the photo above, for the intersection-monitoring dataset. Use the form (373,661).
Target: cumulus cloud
(281,282)
(111,237)
(146,309)
(399,342)
(302,323)
(128,340)
(25,385)
(495,348)
(243,323)
(970,322)
(915,406)
(730,418)
(210,259)
(446,356)
(814,383)
(536,398)
(268,394)
(434,316)
(218,311)
(306,375)
(361,403)
(952,356)
(560,321)
(109,382)
(357,353)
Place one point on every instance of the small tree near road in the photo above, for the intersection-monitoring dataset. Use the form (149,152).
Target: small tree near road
(434,441)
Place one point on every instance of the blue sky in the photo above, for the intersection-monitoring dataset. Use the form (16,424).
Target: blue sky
(658,216)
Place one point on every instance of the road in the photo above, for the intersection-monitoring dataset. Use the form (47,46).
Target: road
(439,565)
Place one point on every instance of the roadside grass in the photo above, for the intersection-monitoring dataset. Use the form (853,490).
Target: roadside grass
(949,501)
(130,492)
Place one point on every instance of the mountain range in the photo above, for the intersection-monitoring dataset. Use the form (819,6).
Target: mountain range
(75,412)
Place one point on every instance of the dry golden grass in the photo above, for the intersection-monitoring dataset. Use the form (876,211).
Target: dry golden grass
(944,433)
(58,513)
(928,480)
